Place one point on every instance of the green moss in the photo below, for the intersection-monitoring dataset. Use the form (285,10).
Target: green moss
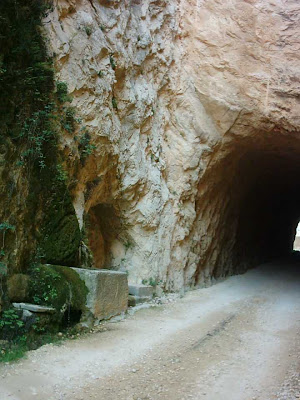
(75,284)
(57,286)
(61,238)
(33,113)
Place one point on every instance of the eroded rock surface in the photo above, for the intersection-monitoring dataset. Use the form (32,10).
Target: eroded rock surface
(187,103)
(107,293)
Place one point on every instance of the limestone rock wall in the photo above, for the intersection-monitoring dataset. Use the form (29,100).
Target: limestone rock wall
(172,93)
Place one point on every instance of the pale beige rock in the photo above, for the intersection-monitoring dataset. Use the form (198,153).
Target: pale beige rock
(107,292)
(197,84)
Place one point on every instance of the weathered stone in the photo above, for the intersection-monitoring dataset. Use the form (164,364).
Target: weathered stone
(34,308)
(108,292)
(189,109)
(141,290)
(26,314)
(18,287)
(29,318)
(187,93)
(62,286)
(135,300)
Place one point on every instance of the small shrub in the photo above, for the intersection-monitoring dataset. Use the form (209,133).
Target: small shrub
(112,62)
(62,92)
(128,245)
(68,120)
(62,175)
(11,325)
(114,103)
(43,282)
(85,147)
(13,352)
(151,282)
(88,30)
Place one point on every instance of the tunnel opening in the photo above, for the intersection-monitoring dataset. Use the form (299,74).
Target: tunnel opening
(248,205)
(296,245)
(268,207)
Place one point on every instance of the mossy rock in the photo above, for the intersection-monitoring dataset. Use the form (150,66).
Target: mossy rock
(62,243)
(61,233)
(17,287)
(59,287)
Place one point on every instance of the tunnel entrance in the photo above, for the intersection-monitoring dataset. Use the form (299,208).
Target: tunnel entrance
(249,204)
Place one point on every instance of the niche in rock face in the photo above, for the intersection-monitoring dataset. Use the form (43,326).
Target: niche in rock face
(103,227)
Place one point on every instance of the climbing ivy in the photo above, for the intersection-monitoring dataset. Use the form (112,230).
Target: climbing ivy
(34,110)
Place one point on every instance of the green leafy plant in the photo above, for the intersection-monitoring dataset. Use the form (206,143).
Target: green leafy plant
(68,120)
(85,147)
(112,62)
(38,132)
(151,282)
(128,245)
(42,286)
(62,175)
(11,325)
(62,92)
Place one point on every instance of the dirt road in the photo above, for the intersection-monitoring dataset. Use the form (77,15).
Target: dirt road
(237,340)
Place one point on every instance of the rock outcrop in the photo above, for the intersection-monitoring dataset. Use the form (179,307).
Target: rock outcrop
(193,108)
(182,141)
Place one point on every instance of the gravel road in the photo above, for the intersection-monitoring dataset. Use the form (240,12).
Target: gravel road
(236,340)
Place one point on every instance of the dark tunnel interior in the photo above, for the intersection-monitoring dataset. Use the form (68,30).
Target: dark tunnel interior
(255,193)
(269,209)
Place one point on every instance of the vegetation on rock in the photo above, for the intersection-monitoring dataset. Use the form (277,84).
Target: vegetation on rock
(35,201)
(32,114)
(57,286)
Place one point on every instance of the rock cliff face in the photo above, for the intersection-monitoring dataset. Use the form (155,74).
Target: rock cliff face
(192,112)
(180,150)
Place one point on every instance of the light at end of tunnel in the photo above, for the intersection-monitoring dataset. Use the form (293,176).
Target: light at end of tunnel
(296,246)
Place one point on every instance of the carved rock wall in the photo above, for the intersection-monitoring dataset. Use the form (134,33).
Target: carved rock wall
(193,109)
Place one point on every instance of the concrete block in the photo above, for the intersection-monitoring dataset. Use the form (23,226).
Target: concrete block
(141,290)
(108,292)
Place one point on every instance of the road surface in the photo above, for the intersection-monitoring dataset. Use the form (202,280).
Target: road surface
(236,340)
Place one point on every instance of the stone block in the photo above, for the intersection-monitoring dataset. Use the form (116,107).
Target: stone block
(108,292)
(135,300)
(18,287)
(33,308)
(141,290)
